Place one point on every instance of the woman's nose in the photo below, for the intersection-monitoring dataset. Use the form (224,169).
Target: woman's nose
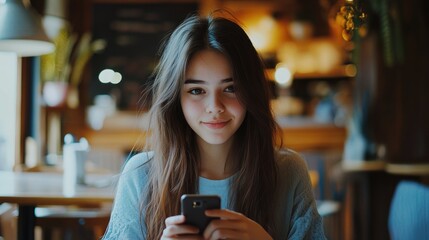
(215,105)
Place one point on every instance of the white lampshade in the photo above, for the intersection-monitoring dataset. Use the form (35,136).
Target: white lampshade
(21,30)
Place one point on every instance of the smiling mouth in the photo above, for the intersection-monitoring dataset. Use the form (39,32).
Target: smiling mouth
(216,125)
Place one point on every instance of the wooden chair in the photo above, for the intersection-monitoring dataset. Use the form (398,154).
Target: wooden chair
(72,223)
(8,221)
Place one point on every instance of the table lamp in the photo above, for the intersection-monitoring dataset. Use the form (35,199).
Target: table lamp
(21,35)
(21,30)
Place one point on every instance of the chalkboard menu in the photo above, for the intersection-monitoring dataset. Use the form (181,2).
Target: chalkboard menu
(134,33)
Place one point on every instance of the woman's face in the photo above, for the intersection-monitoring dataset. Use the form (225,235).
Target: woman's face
(208,98)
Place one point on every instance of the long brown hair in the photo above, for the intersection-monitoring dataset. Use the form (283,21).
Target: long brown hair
(174,169)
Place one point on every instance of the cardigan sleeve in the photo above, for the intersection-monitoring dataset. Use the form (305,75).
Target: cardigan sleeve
(304,219)
(127,218)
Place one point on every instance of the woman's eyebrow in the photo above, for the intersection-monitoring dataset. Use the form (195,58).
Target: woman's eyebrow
(196,81)
(227,80)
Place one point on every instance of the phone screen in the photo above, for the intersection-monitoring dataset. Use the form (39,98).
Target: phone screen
(193,207)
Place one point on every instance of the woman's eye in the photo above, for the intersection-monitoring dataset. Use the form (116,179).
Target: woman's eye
(230,89)
(196,91)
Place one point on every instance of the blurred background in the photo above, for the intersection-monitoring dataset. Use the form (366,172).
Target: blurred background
(349,81)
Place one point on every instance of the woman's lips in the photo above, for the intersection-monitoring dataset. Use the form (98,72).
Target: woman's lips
(216,124)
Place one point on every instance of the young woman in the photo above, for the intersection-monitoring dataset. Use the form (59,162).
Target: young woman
(213,132)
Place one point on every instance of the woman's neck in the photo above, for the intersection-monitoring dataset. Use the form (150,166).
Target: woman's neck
(213,160)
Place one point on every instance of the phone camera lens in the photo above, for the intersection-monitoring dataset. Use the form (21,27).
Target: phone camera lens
(196,204)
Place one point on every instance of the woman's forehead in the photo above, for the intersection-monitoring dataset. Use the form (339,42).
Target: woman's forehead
(208,64)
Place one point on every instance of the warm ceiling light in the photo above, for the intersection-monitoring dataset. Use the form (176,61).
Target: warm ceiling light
(301,30)
(21,30)
(283,76)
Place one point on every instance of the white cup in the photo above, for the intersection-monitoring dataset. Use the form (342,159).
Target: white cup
(74,159)
(81,156)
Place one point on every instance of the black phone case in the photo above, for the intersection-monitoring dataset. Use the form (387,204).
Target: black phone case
(193,207)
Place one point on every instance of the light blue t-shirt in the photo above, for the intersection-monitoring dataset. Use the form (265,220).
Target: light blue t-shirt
(295,208)
(216,187)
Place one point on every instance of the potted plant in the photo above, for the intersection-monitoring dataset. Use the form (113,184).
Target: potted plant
(62,70)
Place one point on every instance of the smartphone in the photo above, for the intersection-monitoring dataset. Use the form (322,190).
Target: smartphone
(193,207)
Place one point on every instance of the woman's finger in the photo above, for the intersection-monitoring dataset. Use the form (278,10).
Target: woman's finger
(224,214)
(226,234)
(173,220)
(216,225)
(181,232)
(183,237)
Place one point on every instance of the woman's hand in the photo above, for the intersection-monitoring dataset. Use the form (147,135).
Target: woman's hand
(233,225)
(175,229)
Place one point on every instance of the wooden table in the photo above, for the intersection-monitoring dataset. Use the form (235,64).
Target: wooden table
(29,190)
(370,186)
